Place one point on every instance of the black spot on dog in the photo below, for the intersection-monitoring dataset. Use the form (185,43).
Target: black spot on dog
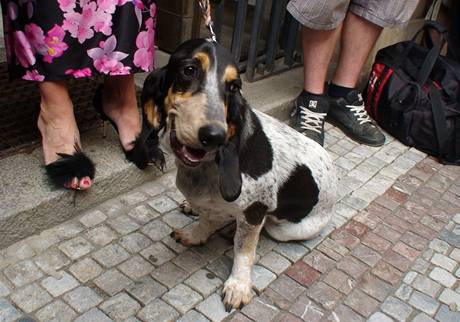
(297,196)
(256,155)
(255,213)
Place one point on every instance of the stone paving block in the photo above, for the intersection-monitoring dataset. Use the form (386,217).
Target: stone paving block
(352,266)
(423,303)
(276,299)
(421,265)
(404,292)
(446,315)
(397,260)
(344,238)
(306,310)
(443,277)
(303,273)
(56,311)
(455,254)
(156,230)
(354,202)
(444,261)
(30,298)
(76,247)
(376,242)
(112,208)
(260,310)
(110,255)
(158,311)
(136,267)
(287,287)
(101,235)
(123,224)
(450,298)
(93,218)
(67,230)
(82,299)
(162,204)
(410,277)
(422,317)
(153,188)
(145,290)
(261,277)
(204,282)
(275,262)
(157,254)
(319,261)
(414,240)
(135,242)
(57,286)
(169,274)
(333,252)
(182,298)
(366,255)
(112,282)
(143,214)
(396,308)
(324,294)
(213,308)
(375,287)
(4,289)
(292,251)
(132,198)
(427,254)
(8,312)
(193,316)
(387,233)
(340,281)
(426,285)
(264,246)
(93,315)
(379,317)
(361,302)
(189,261)
(176,219)
(23,273)
(42,241)
(344,210)
(406,251)
(19,251)
(450,238)
(344,313)
(51,260)
(387,273)
(120,306)
(85,270)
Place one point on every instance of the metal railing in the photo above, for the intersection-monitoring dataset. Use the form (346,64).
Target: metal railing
(267,54)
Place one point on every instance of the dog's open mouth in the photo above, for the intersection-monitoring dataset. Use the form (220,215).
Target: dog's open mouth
(188,155)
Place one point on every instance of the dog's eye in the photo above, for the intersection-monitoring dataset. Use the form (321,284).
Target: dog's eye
(234,87)
(190,71)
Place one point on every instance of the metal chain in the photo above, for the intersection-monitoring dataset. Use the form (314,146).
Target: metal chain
(206,13)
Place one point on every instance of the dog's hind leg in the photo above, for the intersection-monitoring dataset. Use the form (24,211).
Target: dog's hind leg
(308,228)
(237,288)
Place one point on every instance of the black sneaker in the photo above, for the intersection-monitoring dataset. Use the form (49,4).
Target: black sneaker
(309,114)
(348,114)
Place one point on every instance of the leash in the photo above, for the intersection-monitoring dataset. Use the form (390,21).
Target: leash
(206,14)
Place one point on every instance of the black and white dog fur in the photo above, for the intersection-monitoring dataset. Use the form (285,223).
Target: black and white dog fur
(234,163)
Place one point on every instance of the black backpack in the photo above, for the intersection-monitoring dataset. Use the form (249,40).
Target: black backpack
(414,94)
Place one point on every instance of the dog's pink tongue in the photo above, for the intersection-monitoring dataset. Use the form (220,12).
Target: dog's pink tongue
(193,155)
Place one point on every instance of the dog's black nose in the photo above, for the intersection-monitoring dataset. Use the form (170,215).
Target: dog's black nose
(211,135)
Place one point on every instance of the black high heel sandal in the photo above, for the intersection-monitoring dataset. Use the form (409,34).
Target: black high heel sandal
(77,165)
(139,154)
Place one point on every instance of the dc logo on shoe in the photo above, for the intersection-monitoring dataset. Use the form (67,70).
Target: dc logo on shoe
(312,104)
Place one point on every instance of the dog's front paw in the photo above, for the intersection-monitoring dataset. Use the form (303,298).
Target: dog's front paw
(190,236)
(236,293)
(186,209)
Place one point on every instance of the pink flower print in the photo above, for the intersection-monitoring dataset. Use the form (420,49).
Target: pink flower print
(30,6)
(143,57)
(67,5)
(12,10)
(153,10)
(139,4)
(121,70)
(107,5)
(23,50)
(80,25)
(103,22)
(56,46)
(33,76)
(79,73)
(36,38)
(105,59)
(122,2)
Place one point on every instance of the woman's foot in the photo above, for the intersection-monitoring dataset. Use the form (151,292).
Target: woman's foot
(61,139)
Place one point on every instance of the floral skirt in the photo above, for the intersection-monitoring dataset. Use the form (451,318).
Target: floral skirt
(56,39)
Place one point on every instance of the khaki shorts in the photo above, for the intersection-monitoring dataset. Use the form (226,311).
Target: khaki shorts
(328,14)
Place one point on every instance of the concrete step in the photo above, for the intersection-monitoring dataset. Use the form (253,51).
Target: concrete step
(29,205)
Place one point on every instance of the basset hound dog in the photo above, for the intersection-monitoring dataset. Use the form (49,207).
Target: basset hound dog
(234,163)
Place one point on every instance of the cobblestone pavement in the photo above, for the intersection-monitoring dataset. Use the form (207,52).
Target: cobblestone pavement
(392,252)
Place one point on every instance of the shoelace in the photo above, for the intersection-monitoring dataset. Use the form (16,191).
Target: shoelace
(360,113)
(312,121)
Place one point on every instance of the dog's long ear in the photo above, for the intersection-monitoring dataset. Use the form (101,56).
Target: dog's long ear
(153,95)
(229,172)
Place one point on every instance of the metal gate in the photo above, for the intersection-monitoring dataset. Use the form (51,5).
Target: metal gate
(267,54)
